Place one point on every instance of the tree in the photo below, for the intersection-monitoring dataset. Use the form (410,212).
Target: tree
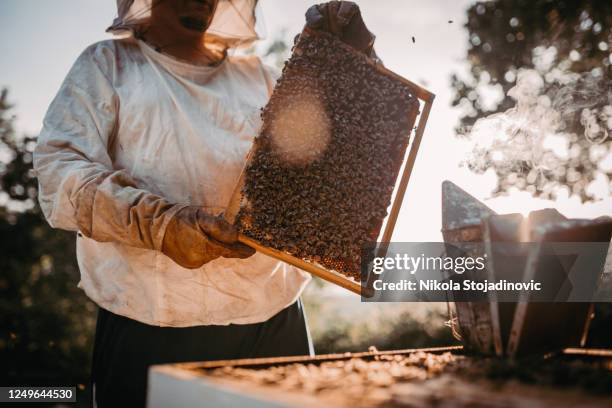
(46,329)
(567,43)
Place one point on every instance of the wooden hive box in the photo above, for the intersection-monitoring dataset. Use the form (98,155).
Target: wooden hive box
(412,378)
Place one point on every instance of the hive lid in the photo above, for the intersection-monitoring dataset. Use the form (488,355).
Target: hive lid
(460,209)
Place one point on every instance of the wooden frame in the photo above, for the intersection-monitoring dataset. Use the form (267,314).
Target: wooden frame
(400,190)
(263,362)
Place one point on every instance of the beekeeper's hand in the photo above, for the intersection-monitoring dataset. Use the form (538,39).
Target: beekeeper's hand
(343,19)
(194,238)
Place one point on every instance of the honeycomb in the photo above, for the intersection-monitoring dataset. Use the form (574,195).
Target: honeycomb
(324,166)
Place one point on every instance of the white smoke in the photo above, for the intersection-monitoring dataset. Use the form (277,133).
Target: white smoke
(551,112)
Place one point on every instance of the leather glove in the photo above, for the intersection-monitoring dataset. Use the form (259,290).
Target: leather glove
(194,238)
(343,19)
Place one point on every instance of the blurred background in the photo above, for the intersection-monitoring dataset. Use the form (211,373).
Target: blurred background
(521,119)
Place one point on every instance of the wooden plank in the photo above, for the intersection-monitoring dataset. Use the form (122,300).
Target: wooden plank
(330,276)
(231,211)
(497,229)
(403,184)
(461,223)
(587,352)
(267,361)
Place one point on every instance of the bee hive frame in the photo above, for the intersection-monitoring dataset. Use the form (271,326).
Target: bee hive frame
(423,96)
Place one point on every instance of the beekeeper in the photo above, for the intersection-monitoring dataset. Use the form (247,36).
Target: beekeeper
(139,153)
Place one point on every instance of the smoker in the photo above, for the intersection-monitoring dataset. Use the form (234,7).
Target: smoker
(527,326)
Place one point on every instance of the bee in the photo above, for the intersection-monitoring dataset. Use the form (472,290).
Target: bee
(324,211)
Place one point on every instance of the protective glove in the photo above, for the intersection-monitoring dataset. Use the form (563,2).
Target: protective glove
(343,19)
(194,238)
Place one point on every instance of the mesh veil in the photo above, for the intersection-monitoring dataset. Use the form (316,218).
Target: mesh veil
(235,24)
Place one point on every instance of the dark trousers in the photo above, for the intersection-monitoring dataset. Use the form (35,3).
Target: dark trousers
(124,349)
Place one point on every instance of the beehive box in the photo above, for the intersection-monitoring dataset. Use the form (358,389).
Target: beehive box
(320,177)
(441,377)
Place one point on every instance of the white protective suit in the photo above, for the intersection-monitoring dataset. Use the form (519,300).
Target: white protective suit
(132,130)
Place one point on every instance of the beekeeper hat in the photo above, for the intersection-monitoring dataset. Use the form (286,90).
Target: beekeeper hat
(235,24)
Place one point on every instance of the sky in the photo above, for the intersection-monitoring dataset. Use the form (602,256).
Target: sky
(39,40)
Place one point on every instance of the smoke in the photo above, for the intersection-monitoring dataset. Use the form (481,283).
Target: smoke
(537,135)
(591,98)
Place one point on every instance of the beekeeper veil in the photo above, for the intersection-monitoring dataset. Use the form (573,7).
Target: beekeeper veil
(235,23)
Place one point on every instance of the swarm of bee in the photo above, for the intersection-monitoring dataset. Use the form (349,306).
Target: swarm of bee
(325,163)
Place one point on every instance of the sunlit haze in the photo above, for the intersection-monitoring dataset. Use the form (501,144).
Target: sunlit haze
(41,39)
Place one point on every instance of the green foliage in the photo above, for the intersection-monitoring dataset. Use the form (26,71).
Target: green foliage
(401,332)
(507,35)
(46,329)
(341,323)
(504,33)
